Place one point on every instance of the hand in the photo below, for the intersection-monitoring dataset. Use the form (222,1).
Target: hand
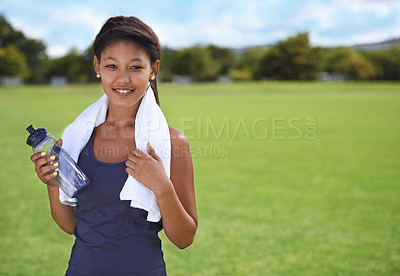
(43,169)
(148,169)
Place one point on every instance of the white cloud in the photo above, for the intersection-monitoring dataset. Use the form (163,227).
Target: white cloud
(224,23)
(30,30)
(77,17)
(254,23)
(230,23)
(61,28)
(56,50)
(349,22)
(380,8)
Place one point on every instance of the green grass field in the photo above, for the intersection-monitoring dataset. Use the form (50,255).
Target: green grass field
(291,178)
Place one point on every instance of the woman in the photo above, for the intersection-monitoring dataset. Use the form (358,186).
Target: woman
(113,238)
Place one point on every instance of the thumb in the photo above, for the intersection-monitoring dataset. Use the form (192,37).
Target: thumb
(60,142)
(152,152)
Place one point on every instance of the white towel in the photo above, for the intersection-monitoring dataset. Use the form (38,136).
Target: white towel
(150,124)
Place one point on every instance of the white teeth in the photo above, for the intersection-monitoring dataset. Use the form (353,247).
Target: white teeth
(123,91)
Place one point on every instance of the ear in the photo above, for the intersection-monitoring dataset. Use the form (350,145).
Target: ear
(155,67)
(96,64)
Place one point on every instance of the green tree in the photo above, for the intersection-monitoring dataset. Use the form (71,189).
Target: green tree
(348,62)
(12,62)
(165,73)
(32,50)
(74,66)
(386,63)
(225,57)
(292,58)
(195,62)
(87,64)
(247,66)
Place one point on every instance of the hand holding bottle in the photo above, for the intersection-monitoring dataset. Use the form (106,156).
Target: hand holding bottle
(53,164)
(45,166)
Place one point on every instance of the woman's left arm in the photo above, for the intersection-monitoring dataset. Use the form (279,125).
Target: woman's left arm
(175,195)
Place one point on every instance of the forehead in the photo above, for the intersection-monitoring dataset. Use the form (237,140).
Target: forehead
(124,50)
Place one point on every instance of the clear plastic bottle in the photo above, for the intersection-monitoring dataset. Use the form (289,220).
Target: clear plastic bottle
(69,177)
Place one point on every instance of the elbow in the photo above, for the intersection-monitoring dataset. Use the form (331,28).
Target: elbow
(186,240)
(69,231)
(67,224)
(66,229)
(184,243)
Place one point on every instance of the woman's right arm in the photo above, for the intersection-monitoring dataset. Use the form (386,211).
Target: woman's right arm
(63,215)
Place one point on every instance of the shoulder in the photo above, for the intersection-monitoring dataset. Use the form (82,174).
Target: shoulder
(179,143)
(181,160)
(177,137)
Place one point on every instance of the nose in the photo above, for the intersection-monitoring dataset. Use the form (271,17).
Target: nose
(123,77)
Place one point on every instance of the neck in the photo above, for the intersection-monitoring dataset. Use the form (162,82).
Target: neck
(121,116)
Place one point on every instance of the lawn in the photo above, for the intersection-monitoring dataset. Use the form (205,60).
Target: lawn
(291,178)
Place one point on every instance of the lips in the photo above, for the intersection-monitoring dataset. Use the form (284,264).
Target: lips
(123,91)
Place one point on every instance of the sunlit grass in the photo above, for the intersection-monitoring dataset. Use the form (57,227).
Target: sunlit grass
(291,178)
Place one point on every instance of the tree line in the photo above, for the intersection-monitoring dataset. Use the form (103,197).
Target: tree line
(290,59)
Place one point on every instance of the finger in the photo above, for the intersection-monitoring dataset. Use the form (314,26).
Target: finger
(60,142)
(46,178)
(43,161)
(130,171)
(37,156)
(44,170)
(133,158)
(130,164)
(152,152)
(138,152)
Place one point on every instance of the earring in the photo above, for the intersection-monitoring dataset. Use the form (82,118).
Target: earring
(153,77)
(98,76)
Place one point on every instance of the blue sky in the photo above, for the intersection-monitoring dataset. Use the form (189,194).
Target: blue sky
(62,25)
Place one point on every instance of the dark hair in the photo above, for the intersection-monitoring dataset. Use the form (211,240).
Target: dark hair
(131,29)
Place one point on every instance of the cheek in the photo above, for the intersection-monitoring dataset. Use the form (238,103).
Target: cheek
(106,80)
(140,79)
(144,75)
(107,76)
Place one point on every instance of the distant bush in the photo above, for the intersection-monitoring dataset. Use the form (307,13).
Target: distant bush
(195,62)
(290,59)
(386,63)
(348,62)
(13,63)
(32,51)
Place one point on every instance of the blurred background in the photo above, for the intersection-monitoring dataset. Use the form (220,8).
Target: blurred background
(291,109)
(43,41)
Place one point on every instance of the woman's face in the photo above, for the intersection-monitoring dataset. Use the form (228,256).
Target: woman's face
(125,71)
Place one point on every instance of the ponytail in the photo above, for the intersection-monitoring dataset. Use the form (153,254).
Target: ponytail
(153,84)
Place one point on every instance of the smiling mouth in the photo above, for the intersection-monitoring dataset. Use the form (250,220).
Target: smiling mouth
(123,91)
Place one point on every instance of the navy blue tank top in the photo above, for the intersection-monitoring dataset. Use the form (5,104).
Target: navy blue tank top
(112,238)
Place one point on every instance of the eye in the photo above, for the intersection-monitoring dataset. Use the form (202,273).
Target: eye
(136,67)
(111,66)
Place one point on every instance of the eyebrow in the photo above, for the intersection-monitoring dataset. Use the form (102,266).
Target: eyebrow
(115,59)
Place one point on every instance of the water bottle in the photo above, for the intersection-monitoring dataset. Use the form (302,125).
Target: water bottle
(70,177)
